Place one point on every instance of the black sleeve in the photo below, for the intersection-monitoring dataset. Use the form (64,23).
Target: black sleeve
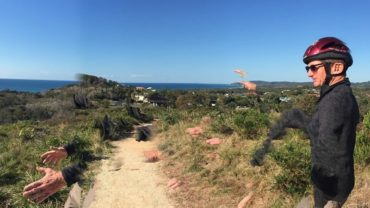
(70,148)
(73,173)
(294,118)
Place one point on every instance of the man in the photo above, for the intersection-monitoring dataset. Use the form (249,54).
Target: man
(332,128)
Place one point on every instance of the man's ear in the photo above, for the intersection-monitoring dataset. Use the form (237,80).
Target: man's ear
(337,68)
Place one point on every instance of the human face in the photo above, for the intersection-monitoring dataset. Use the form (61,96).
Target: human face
(318,76)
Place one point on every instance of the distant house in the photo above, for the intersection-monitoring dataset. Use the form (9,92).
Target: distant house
(157,99)
(284,99)
(141,99)
(314,92)
(159,102)
(140,88)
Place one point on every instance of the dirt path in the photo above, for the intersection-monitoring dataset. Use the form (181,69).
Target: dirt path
(127,181)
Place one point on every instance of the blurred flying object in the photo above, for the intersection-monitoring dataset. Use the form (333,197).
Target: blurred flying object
(152,155)
(248,85)
(213,141)
(240,72)
(245,84)
(174,183)
(194,132)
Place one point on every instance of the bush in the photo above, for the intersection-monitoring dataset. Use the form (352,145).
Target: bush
(230,155)
(115,127)
(197,156)
(294,159)
(362,148)
(221,123)
(305,102)
(27,133)
(169,118)
(250,123)
(366,121)
(5,199)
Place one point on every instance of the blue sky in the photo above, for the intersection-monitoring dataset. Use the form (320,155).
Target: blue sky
(188,41)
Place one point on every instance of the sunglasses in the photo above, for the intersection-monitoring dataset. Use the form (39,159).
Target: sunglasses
(314,68)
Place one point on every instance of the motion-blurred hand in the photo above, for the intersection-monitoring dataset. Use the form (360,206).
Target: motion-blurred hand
(194,132)
(213,141)
(54,155)
(248,85)
(40,190)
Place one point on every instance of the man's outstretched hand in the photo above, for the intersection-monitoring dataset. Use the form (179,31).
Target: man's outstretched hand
(54,155)
(40,190)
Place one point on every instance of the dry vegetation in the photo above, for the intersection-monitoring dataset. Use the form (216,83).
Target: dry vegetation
(221,176)
(211,175)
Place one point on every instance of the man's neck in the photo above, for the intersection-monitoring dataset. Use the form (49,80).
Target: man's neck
(336,79)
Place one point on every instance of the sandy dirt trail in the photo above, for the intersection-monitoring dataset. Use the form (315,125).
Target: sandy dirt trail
(127,181)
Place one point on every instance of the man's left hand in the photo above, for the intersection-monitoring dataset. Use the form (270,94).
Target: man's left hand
(54,155)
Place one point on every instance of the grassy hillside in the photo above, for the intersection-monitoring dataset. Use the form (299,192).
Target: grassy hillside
(32,124)
(221,176)
(213,176)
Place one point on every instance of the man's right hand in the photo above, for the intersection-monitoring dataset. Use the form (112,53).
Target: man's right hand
(40,190)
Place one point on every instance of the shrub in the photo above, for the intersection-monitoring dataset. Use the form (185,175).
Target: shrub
(230,155)
(27,133)
(5,198)
(221,123)
(294,159)
(115,127)
(362,148)
(169,118)
(124,124)
(366,121)
(197,156)
(305,102)
(250,123)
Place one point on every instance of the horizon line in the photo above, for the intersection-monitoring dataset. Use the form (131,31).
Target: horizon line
(125,82)
(130,82)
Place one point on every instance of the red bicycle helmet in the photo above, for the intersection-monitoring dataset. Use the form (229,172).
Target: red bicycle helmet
(328,48)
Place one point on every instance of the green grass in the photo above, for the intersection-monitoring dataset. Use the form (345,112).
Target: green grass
(293,156)
(22,143)
(362,148)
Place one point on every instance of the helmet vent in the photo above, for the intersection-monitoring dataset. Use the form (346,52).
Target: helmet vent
(335,46)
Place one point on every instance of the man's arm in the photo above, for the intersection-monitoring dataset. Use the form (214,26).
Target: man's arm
(71,148)
(54,155)
(73,173)
(294,118)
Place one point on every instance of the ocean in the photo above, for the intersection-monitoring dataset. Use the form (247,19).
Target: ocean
(23,85)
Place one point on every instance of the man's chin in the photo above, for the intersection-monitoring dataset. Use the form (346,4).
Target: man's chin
(316,84)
